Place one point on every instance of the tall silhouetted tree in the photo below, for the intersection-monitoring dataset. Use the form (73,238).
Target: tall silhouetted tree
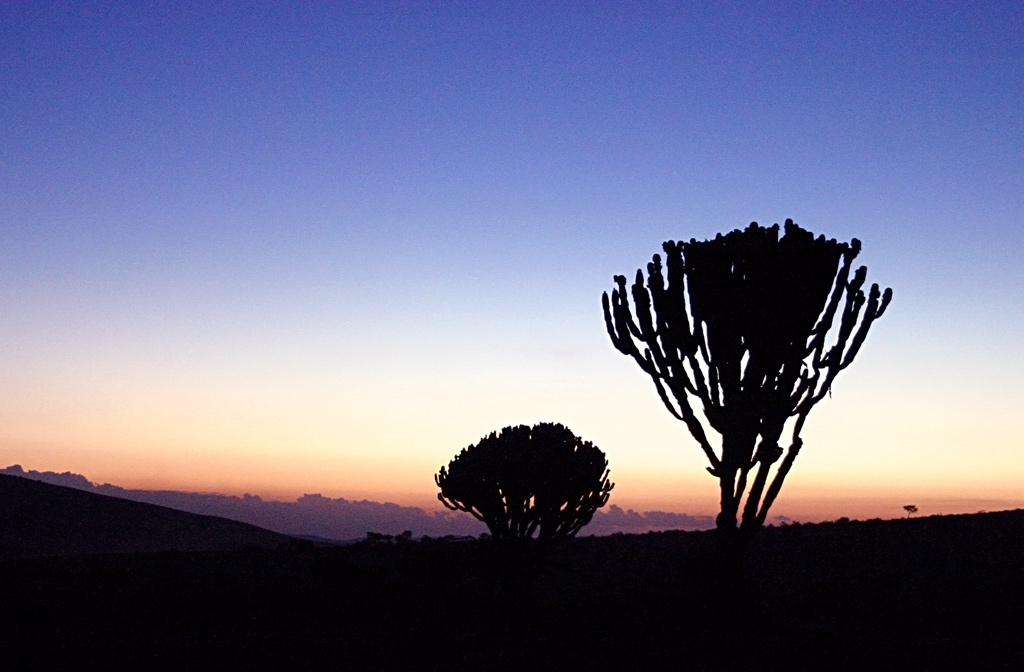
(740,325)
(524,482)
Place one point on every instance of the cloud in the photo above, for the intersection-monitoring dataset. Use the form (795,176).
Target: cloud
(314,515)
(615,519)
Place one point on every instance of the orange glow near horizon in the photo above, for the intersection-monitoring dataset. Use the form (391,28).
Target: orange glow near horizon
(410,484)
(879,444)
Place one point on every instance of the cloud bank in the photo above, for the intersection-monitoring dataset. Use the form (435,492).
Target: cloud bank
(314,515)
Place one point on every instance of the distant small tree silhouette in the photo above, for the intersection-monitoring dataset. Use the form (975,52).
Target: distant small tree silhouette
(739,325)
(910,509)
(523,482)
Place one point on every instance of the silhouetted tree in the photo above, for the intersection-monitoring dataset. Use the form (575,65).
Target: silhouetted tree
(531,487)
(740,324)
(524,481)
(910,509)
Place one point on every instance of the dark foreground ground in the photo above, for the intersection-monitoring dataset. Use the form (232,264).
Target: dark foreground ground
(944,593)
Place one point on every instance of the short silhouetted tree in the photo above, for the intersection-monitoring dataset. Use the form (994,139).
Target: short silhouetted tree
(742,327)
(523,482)
(910,509)
(531,486)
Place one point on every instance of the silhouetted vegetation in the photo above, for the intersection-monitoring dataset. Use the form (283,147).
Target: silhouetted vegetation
(531,486)
(542,482)
(740,325)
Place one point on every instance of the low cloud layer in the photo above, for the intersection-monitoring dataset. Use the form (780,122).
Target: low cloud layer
(341,519)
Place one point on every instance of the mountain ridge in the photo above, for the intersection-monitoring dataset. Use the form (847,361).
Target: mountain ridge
(40,520)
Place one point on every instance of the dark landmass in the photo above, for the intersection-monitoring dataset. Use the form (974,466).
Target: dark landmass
(41,520)
(316,516)
(938,593)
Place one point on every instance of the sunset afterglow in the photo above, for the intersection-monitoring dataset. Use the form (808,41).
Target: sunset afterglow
(320,249)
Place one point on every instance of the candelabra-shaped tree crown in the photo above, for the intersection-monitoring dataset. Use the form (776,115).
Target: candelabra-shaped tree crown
(523,481)
(740,324)
(757,293)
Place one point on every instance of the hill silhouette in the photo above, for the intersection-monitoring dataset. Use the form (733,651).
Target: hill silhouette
(42,520)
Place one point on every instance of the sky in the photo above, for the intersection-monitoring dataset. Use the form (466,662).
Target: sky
(288,248)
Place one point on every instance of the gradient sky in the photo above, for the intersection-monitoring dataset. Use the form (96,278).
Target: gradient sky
(297,247)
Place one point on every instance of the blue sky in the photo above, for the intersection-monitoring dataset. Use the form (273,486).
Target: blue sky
(298,247)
